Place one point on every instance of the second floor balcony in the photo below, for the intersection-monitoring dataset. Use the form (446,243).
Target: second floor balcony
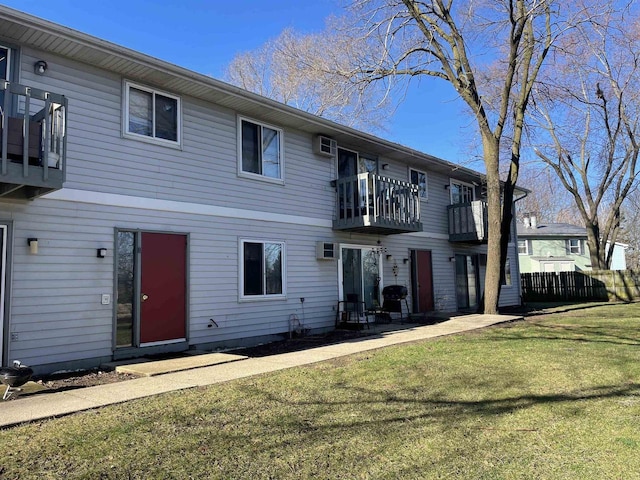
(370,203)
(32,141)
(468,222)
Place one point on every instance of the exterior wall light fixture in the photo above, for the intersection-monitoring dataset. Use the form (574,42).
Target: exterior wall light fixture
(33,245)
(101,252)
(40,67)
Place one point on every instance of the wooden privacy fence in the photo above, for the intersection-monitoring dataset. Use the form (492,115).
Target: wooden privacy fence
(612,285)
(551,286)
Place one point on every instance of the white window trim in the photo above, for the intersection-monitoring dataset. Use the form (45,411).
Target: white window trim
(580,246)
(426,177)
(460,182)
(261,298)
(526,246)
(257,176)
(9,59)
(144,138)
(505,284)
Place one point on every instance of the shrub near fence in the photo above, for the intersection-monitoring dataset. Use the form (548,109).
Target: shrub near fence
(612,285)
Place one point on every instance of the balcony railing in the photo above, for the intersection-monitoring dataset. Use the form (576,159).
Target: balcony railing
(468,222)
(369,203)
(32,141)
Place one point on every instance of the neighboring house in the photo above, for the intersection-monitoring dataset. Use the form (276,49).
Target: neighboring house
(150,208)
(558,247)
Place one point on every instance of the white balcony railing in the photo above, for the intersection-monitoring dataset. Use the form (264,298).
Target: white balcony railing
(468,222)
(374,204)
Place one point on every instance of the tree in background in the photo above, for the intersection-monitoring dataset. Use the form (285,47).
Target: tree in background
(588,110)
(547,199)
(630,233)
(307,72)
(491,53)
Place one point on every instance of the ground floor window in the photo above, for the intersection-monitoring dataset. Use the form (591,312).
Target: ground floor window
(262,269)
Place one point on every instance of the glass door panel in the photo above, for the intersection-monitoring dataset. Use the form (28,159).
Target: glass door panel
(371,279)
(126,288)
(351,272)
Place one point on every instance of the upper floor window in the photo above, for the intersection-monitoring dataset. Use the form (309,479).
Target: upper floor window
(6,61)
(523,247)
(461,192)
(262,269)
(151,114)
(260,150)
(419,178)
(575,246)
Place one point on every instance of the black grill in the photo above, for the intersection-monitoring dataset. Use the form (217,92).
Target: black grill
(395,292)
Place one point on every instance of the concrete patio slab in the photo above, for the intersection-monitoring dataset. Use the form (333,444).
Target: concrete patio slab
(160,367)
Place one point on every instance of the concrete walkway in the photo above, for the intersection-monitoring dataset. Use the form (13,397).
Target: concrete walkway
(48,405)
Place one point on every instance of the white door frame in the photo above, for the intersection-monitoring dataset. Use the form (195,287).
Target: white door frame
(341,273)
(3,275)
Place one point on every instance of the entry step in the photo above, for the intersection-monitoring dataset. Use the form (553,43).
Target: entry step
(144,367)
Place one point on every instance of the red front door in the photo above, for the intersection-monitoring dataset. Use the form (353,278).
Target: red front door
(163,287)
(423,281)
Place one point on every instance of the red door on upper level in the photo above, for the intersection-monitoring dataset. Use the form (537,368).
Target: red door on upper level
(163,287)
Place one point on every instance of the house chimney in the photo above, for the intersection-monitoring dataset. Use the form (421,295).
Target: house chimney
(534,221)
(527,221)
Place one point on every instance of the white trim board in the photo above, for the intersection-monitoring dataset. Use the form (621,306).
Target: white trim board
(127,201)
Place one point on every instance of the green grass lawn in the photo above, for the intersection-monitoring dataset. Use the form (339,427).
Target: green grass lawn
(554,397)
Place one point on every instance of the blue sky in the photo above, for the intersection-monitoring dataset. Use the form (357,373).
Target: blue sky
(205,35)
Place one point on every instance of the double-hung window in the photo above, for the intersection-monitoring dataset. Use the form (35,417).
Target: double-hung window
(260,150)
(461,192)
(419,178)
(262,269)
(151,114)
(523,247)
(574,246)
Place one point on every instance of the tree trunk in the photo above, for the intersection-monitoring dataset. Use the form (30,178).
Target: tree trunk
(494,217)
(597,257)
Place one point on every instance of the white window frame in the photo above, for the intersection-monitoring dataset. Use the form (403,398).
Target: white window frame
(260,176)
(8,61)
(423,194)
(241,276)
(459,182)
(570,247)
(507,270)
(526,246)
(150,138)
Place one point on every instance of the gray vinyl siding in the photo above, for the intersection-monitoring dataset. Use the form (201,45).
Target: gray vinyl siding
(204,170)
(56,311)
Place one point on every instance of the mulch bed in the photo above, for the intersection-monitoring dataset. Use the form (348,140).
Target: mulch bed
(89,378)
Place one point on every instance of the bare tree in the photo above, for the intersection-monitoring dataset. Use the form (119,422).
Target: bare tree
(307,72)
(547,198)
(590,110)
(491,53)
(630,233)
